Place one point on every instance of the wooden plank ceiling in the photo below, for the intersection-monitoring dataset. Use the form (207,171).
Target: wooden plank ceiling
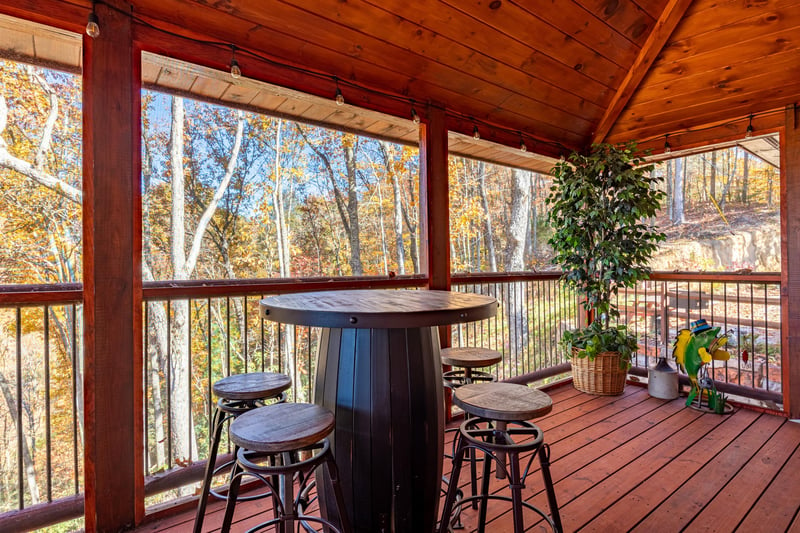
(557,74)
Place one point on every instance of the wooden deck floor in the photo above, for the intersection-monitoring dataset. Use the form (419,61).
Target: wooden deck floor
(635,463)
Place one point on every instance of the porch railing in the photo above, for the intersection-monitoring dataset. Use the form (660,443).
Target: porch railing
(196,334)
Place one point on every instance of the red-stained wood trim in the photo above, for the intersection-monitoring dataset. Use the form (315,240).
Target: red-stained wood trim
(663,28)
(111,375)
(139,412)
(434,199)
(727,132)
(790,261)
(31,295)
(163,290)
(56,13)
(728,277)
(42,515)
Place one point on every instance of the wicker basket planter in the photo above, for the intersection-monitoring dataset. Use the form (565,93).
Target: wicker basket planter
(603,375)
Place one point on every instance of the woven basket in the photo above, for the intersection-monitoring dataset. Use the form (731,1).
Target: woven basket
(603,375)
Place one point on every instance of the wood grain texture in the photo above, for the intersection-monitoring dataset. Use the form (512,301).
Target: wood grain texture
(282,427)
(502,401)
(112,368)
(470,357)
(664,26)
(434,197)
(251,386)
(364,309)
(790,261)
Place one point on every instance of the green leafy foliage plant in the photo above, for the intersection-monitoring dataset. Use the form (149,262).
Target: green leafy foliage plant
(601,208)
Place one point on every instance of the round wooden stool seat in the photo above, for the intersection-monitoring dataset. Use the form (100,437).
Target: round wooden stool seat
(252,386)
(470,357)
(282,427)
(502,401)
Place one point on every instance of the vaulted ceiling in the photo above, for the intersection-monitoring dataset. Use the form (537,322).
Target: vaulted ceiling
(558,74)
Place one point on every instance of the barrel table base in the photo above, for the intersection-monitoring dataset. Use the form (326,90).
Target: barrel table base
(384,387)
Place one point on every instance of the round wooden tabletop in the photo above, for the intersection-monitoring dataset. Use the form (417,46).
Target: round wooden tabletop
(252,386)
(470,357)
(282,427)
(377,308)
(502,401)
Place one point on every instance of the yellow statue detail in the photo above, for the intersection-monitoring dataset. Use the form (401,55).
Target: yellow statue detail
(693,350)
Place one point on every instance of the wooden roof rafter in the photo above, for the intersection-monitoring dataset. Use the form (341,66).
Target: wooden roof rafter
(663,29)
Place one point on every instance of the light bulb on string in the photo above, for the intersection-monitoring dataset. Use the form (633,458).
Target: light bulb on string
(92,26)
(415,116)
(667,146)
(236,71)
(750,129)
(475,133)
(339,96)
(522,146)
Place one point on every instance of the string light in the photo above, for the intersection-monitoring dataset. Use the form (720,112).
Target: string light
(667,146)
(414,116)
(322,76)
(236,71)
(92,26)
(475,133)
(522,146)
(749,132)
(339,95)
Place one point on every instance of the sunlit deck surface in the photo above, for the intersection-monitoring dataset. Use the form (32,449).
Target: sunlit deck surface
(633,462)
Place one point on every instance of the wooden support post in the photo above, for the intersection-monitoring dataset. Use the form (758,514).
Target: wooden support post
(112,304)
(434,199)
(790,261)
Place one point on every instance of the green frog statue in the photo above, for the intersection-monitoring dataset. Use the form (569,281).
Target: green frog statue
(693,349)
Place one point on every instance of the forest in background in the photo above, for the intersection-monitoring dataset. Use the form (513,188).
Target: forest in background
(230,194)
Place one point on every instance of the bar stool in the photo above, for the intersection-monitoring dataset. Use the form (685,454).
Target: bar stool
(500,429)
(468,360)
(237,395)
(276,435)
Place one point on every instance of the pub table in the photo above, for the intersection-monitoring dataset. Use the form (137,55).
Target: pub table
(379,371)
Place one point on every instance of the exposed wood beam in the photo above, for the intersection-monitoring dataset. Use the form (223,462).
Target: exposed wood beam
(711,134)
(790,261)
(663,28)
(112,305)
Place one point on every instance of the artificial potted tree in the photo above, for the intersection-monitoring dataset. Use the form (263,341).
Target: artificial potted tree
(600,208)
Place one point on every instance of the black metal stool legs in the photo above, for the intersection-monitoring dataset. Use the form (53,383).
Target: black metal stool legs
(544,461)
(280,477)
(217,423)
(498,446)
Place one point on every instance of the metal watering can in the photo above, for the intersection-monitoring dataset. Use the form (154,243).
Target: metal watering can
(662,380)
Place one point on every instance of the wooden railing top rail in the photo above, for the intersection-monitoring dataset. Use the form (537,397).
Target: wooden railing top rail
(22,295)
(61,293)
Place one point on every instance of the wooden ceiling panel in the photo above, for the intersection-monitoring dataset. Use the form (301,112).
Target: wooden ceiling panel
(625,17)
(725,60)
(561,73)
(518,24)
(362,61)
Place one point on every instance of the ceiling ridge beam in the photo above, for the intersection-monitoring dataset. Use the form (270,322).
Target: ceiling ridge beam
(662,30)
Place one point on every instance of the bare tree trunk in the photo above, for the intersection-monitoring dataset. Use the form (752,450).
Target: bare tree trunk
(678,216)
(282,232)
(352,206)
(411,225)
(745,178)
(487,217)
(27,460)
(713,176)
(398,207)
(515,254)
